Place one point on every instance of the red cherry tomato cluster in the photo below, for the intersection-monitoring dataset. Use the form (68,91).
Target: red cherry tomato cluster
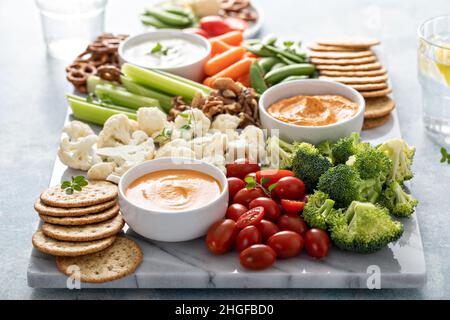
(263,221)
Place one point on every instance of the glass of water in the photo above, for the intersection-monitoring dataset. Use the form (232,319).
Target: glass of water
(69,25)
(434,76)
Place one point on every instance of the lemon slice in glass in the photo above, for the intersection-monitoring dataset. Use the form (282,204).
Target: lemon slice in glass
(443,62)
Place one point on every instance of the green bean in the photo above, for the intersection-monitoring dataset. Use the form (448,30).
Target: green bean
(291,78)
(152,21)
(268,62)
(275,76)
(257,77)
(168,18)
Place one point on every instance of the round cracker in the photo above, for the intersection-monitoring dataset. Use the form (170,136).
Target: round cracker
(46,210)
(369,86)
(340,55)
(368,73)
(376,93)
(357,80)
(94,193)
(69,249)
(117,261)
(358,67)
(318,47)
(375,122)
(83,220)
(349,42)
(344,62)
(378,107)
(87,232)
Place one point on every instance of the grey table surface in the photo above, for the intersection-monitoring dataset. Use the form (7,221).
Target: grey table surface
(32,111)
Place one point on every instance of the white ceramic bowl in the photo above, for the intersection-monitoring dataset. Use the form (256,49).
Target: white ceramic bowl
(192,70)
(293,132)
(172,226)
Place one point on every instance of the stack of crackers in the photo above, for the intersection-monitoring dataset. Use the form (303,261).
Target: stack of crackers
(81,229)
(351,61)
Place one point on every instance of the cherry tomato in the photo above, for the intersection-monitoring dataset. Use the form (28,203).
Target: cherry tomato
(271,208)
(292,223)
(214,25)
(267,229)
(286,244)
(245,196)
(236,23)
(251,217)
(198,31)
(317,243)
(273,175)
(240,168)
(290,188)
(235,211)
(221,236)
(234,185)
(292,206)
(257,257)
(247,237)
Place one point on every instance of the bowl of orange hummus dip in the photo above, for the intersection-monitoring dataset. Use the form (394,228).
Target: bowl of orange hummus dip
(311,110)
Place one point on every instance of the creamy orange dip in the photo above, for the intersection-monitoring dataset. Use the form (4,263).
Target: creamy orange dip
(313,110)
(173,190)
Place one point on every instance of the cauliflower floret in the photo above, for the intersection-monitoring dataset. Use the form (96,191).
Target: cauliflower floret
(224,122)
(101,170)
(138,137)
(236,150)
(151,120)
(116,131)
(76,146)
(255,144)
(253,134)
(175,148)
(217,161)
(209,145)
(193,122)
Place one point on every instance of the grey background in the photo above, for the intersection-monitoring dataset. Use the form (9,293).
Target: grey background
(32,110)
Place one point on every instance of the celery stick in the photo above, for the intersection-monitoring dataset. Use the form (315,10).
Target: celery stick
(109,93)
(93,113)
(93,81)
(160,82)
(200,86)
(100,104)
(164,100)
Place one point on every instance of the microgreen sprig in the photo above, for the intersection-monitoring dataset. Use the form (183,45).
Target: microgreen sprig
(445,156)
(76,184)
(252,183)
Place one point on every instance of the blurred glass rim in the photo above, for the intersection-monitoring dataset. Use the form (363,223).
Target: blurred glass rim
(420,30)
(68,7)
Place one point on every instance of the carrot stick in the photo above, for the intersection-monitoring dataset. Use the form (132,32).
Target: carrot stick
(218,46)
(235,70)
(233,38)
(249,54)
(245,80)
(207,81)
(223,60)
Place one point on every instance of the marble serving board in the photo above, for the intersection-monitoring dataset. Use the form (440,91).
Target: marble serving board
(190,265)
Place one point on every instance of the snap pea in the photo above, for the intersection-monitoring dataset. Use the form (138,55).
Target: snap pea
(270,39)
(168,18)
(275,76)
(267,63)
(284,53)
(291,78)
(257,77)
(278,66)
(285,60)
(258,50)
(152,21)
(179,11)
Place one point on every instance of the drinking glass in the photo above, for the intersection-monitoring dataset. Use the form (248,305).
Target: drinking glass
(69,25)
(434,76)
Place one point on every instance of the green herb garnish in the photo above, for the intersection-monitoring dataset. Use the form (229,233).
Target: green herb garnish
(252,183)
(158,48)
(445,155)
(76,184)
(288,44)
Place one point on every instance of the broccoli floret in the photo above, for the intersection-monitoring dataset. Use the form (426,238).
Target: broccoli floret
(325,149)
(398,202)
(401,155)
(344,185)
(279,152)
(344,148)
(308,164)
(364,228)
(370,163)
(317,210)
